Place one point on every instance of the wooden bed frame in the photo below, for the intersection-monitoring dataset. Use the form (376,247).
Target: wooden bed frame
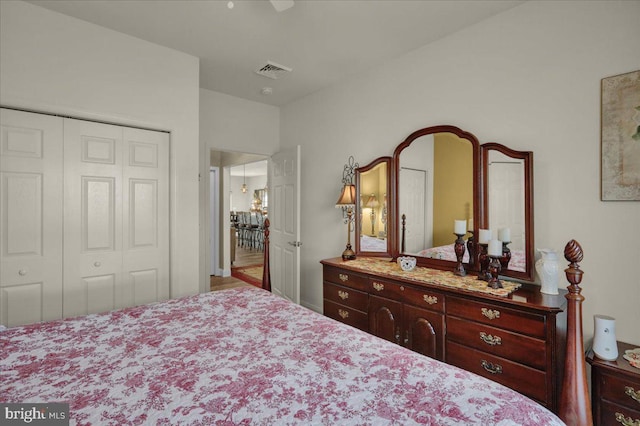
(575,405)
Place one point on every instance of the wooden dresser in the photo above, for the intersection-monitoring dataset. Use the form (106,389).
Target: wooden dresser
(615,389)
(517,340)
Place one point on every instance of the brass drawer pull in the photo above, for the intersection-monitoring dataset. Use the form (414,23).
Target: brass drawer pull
(490,313)
(628,390)
(343,277)
(490,340)
(432,300)
(344,295)
(343,314)
(492,368)
(626,421)
(378,286)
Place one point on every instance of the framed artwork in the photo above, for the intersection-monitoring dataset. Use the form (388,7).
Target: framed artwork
(620,137)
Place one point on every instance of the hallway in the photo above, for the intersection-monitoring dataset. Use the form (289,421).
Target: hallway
(244,257)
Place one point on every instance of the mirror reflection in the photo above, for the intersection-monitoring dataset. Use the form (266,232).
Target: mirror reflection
(435,188)
(508,206)
(373,208)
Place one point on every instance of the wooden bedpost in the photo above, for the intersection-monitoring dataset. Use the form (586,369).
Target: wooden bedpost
(266,274)
(404,227)
(575,406)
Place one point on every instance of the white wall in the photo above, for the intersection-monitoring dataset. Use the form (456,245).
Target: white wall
(528,78)
(231,124)
(50,62)
(228,123)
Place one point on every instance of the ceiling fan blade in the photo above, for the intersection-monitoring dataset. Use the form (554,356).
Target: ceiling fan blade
(280,5)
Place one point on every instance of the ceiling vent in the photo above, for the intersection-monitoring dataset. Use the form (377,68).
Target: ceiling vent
(272,70)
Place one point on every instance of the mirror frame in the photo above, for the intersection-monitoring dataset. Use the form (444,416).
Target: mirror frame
(391,196)
(527,157)
(478,205)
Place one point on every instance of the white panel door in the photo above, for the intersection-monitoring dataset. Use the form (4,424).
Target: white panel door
(92,217)
(145,222)
(116,217)
(418,233)
(284,216)
(30,217)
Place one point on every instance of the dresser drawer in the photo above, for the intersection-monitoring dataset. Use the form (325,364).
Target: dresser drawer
(613,414)
(346,315)
(346,278)
(415,296)
(620,390)
(499,342)
(497,316)
(346,296)
(523,379)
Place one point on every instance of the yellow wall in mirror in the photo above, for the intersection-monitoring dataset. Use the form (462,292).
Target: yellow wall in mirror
(453,171)
(373,182)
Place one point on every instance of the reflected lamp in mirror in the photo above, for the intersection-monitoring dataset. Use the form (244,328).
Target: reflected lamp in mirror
(373,214)
(372,203)
(347,202)
(383,217)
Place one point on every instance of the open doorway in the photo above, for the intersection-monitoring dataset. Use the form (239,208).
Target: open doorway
(236,244)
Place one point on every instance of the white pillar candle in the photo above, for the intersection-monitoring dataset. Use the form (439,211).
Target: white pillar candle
(504,235)
(460,227)
(495,248)
(485,236)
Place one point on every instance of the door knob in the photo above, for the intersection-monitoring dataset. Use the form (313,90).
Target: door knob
(295,243)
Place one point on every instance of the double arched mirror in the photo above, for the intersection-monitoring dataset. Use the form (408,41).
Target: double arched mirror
(373,215)
(441,178)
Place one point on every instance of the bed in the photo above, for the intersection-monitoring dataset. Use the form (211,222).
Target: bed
(242,356)
(368,243)
(245,356)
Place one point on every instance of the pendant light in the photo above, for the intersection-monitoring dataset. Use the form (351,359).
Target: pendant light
(243,188)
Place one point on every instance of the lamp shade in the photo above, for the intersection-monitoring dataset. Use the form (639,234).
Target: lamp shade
(372,202)
(347,197)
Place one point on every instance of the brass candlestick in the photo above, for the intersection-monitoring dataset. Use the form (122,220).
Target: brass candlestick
(459,249)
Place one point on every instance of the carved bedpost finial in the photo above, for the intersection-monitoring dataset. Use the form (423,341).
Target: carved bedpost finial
(266,273)
(404,228)
(573,253)
(575,405)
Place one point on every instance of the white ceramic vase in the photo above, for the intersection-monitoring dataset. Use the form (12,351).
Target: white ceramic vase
(547,267)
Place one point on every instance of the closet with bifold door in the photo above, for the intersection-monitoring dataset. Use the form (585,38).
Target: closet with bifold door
(84,215)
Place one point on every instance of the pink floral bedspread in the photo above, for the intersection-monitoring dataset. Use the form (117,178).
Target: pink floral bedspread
(242,356)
